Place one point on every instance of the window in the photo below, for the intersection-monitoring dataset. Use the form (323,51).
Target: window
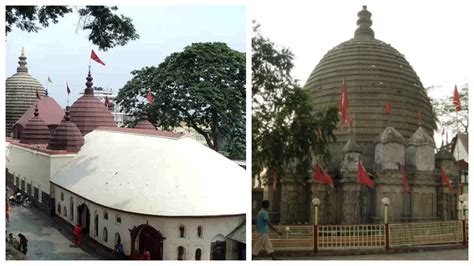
(106,215)
(64,211)
(71,202)
(118,219)
(96,224)
(59,209)
(28,189)
(62,196)
(182,233)
(199,231)
(181,253)
(197,256)
(118,240)
(23,185)
(17,181)
(104,236)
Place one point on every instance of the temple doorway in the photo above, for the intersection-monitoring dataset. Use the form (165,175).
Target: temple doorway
(84,218)
(146,237)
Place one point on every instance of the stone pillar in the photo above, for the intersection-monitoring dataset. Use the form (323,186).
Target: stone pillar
(293,207)
(389,150)
(327,209)
(354,200)
(447,199)
(420,154)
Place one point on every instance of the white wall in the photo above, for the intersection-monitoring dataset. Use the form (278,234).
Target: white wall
(168,227)
(36,168)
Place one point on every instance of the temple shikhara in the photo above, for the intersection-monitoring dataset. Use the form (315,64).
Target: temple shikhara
(391,133)
(147,189)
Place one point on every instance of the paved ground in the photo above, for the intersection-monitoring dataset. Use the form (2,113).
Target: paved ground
(453,254)
(45,240)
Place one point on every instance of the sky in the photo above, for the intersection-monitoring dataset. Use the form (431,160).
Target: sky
(435,36)
(62,53)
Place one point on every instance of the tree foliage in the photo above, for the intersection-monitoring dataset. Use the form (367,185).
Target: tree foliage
(286,133)
(202,86)
(446,114)
(107,29)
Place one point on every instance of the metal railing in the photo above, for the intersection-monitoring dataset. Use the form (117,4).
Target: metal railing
(331,237)
(419,234)
(368,236)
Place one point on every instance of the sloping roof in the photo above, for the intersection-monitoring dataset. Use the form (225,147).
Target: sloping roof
(50,110)
(154,175)
(464,141)
(238,234)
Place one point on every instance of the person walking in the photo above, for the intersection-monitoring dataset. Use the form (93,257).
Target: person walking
(23,243)
(118,251)
(145,255)
(262,240)
(77,234)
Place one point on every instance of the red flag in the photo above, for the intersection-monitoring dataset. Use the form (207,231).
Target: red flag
(418,116)
(456,99)
(364,177)
(387,108)
(404,179)
(445,180)
(107,102)
(344,104)
(149,97)
(96,58)
(322,177)
(67,88)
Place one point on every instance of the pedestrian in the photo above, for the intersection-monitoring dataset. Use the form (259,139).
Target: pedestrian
(145,255)
(262,240)
(23,243)
(118,251)
(7,210)
(77,235)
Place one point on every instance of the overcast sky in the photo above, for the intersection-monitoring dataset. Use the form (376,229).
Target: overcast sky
(61,53)
(434,36)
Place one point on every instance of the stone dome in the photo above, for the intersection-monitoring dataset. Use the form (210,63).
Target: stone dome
(66,136)
(88,112)
(36,131)
(144,123)
(20,94)
(375,73)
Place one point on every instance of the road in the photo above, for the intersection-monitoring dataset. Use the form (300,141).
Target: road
(45,241)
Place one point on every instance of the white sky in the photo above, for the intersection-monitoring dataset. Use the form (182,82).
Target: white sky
(61,53)
(434,36)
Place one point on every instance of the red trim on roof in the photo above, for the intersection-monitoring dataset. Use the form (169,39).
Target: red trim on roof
(151,132)
(38,147)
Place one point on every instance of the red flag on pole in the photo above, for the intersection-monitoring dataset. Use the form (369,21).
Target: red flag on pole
(418,116)
(321,176)
(344,104)
(107,102)
(387,108)
(404,179)
(96,58)
(149,97)
(67,89)
(444,179)
(364,177)
(456,99)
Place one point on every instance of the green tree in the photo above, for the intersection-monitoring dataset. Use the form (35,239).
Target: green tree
(286,133)
(202,86)
(446,114)
(107,29)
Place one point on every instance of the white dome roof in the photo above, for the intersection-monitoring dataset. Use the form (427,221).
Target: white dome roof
(154,175)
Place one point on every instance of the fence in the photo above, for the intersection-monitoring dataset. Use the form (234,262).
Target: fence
(368,236)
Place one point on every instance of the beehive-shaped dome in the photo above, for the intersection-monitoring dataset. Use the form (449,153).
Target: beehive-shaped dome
(88,112)
(375,73)
(36,131)
(20,94)
(144,123)
(66,136)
